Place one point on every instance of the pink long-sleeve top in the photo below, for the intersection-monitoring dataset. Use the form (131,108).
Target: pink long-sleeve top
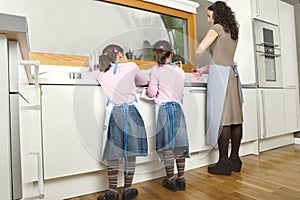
(121,87)
(166,84)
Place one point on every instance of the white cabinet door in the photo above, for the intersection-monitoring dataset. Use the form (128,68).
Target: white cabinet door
(250,115)
(147,111)
(194,106)
(298,109)
(291,108)
(244,56)
(272,118)
(288,45)
(266,10)
(71,124)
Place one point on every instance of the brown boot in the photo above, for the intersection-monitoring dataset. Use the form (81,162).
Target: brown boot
(236,164)
(223,167)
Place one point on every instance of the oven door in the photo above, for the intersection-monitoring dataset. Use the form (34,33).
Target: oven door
(269,69)
(268,55)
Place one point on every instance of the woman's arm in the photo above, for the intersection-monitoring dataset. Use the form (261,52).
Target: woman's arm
(204,45)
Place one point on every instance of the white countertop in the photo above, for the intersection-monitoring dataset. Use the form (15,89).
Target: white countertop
(93,82)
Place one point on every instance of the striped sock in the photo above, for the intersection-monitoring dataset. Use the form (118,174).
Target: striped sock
(169,163)
(129,175)
(112,171)
(180,162)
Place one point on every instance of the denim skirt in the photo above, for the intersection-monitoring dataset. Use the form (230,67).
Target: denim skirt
(126,134)
(171,132)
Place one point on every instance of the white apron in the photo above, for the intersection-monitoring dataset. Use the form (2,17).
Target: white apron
(108,112)
(216,91)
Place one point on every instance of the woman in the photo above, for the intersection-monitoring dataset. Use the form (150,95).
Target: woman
(224,97)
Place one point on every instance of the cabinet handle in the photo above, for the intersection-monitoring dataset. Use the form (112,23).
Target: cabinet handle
(257,9)
(196,91)
(264,114)
(31,107)
(40,193)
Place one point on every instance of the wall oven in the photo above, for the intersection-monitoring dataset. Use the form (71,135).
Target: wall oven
(268,55)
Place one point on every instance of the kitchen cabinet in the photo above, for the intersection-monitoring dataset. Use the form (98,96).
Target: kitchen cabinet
(266,10)
(72,118)
(298,109)
(147,111)
(291,108)
(244,55)
(250,115)
(194,107)
(272,114)
(288,45)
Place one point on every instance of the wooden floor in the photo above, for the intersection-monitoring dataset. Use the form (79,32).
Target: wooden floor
(274,175)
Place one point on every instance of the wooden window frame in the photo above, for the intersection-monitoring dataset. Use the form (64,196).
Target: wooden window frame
(73,60)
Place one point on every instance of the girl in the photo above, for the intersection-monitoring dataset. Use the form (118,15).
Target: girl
(166,85)
(125,133)
(224,97)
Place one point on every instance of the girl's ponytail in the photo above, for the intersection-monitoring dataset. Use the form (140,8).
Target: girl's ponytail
(109,55)
(162,50)
(104,63)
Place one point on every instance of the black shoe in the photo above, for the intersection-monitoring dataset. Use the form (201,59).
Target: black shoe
(180,184)
(109,196)
(171,185)
(223,167)
(130,194)
(236,164)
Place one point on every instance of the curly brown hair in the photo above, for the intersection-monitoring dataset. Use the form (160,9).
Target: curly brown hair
(223,15)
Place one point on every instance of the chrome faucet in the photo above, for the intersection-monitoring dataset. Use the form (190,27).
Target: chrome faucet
(93,60)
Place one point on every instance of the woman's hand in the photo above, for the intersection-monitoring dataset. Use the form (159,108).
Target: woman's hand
(199,72)
(203,70)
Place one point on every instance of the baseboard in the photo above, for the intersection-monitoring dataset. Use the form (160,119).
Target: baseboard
(297,140)
(276,141)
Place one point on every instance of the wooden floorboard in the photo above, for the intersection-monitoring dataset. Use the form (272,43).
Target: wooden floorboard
(274,174)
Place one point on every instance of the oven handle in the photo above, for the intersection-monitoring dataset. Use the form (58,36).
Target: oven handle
(268,55)
(268,44)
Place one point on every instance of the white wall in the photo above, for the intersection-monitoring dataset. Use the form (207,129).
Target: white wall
(244,55)
(79,26)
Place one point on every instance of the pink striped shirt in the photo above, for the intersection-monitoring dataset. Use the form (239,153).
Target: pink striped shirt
(166,84)
(121,87)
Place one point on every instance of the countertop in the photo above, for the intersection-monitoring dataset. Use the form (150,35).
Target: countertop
(93,82)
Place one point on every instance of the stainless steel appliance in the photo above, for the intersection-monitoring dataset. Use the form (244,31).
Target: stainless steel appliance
(14,98)
(15,77)
(268,55)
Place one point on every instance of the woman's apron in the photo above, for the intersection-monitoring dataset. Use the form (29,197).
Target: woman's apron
(216,92)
